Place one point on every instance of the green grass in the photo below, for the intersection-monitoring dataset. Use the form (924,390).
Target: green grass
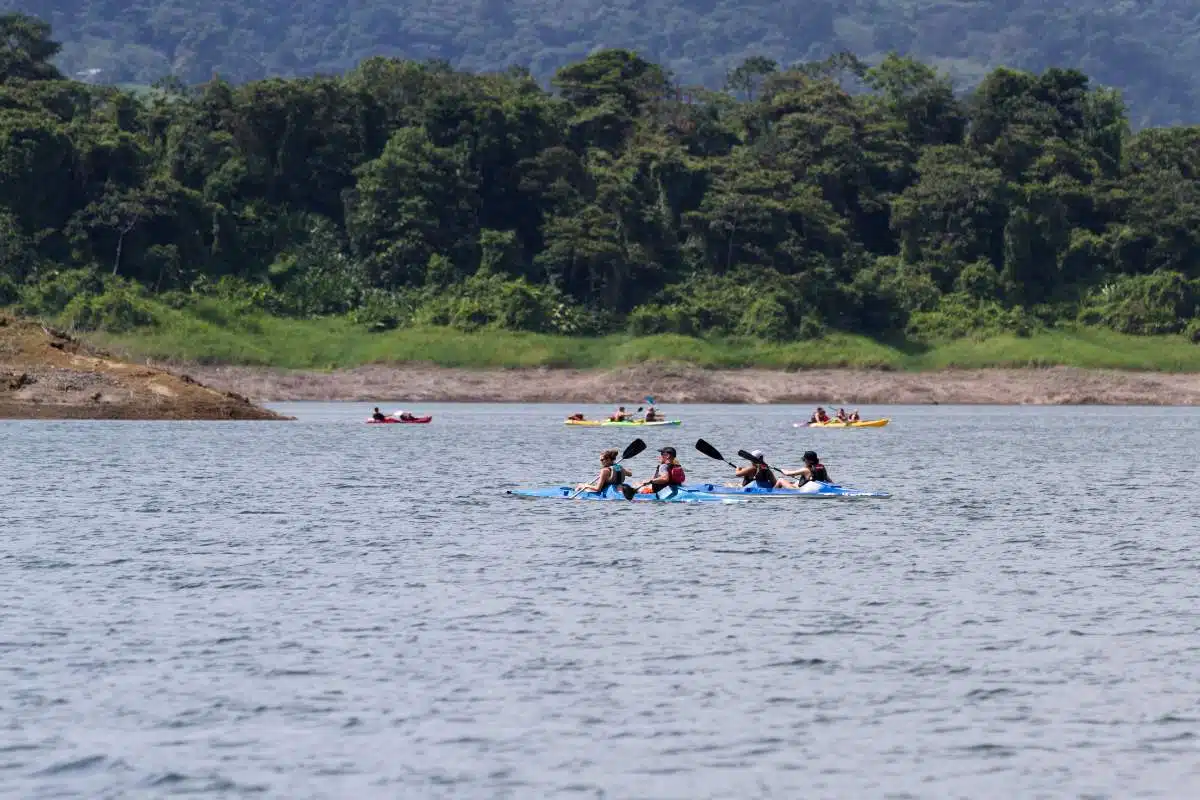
(212,337)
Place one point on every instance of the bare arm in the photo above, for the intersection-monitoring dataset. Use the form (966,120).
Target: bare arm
(595,485)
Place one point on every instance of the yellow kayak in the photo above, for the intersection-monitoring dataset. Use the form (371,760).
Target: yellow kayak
(833,423)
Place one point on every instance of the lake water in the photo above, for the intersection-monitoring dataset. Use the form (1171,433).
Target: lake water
(330,609)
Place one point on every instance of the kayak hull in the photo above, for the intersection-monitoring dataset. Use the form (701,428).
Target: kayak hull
(813,490)
(597,423)
(630,423)
(663,496)
(394,421)
(866,423)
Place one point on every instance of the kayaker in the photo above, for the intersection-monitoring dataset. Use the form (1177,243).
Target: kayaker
(813,470)
(620,416)
(819,416)
(651,414)
(841,415)
(576,417)
(760,474)
(669,472)
(611,474)
(854,417)
(377,416)
(404,416)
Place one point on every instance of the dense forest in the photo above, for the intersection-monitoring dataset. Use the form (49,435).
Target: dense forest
(832,195)
(1149,49)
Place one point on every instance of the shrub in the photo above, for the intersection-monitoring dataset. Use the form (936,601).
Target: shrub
(50,295)
(1161,302)
(959,316)
(117,310)
(747,302)
(9,293)
(1192,331)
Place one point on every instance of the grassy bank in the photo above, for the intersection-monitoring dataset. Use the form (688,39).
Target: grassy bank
(334,343)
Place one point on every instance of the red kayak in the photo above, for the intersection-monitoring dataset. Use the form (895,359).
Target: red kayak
(394,421)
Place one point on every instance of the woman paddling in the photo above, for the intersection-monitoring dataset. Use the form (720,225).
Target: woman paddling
(813,470)
(611,474)
(760,474)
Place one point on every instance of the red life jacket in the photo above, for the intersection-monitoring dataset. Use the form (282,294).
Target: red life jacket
(674,474)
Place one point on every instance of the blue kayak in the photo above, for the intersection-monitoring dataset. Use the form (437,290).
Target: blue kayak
(812,489)
(668,495)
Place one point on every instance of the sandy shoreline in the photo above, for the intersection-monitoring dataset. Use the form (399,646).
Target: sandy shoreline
(676,384)
(46,374)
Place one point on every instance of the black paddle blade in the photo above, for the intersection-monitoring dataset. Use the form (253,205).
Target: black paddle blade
(709,450)
(746,455)
(635,447)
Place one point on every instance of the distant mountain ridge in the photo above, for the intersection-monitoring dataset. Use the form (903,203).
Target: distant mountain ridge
(1148,49)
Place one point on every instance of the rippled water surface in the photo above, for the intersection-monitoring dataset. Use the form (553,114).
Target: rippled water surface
(330,609)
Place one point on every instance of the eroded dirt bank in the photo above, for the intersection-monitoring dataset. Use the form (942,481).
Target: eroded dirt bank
(684,384)
(45,374)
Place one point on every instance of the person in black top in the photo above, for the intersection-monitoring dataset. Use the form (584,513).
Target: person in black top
(611,474)
(759,473)
(813,470)
(378,417)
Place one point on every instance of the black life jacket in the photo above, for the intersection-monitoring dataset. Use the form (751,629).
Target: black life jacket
(762,477)
(616,477)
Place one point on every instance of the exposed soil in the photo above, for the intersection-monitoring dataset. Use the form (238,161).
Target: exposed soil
(672,383)
(45,374)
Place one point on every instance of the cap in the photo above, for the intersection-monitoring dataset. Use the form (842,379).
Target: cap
(757,453)
(668,450)
(810,455)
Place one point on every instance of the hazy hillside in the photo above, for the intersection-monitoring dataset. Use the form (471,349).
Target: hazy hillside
(1149,49)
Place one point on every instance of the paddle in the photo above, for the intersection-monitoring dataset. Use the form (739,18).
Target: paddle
(750,457)
(634,447)
(714,453)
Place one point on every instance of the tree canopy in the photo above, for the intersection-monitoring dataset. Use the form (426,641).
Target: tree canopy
(1148,49)
(835,195)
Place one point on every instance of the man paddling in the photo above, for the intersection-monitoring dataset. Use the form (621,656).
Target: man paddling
(669,472)
(377,416)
